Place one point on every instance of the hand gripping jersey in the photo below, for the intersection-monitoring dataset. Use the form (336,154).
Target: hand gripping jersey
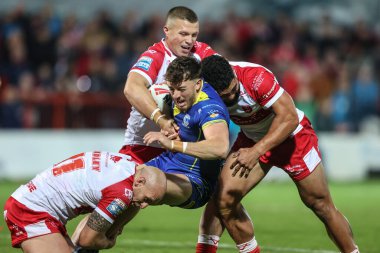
(259,90)
(203,174)
(84,182)
(152,65)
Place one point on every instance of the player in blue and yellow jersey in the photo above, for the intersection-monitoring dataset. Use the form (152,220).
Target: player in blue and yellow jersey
(194,160)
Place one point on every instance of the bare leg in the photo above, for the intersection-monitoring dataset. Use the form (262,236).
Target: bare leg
(230,193)
(47,243)
(210,223)
(315,194)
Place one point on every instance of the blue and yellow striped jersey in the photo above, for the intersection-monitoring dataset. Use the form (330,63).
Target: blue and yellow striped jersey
(206,110)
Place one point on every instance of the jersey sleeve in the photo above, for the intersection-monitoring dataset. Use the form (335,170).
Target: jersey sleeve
(212,113)
(115,199)
(204,50)
(264,87)
(148,65)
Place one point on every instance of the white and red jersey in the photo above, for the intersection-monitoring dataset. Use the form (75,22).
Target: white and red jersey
(259,90)
(152,65)
(99,181)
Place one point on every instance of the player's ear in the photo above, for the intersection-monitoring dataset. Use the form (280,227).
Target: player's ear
(198,84)
(140,181)
(166,30)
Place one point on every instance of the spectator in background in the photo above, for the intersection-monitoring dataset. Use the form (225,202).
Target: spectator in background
(67,46)
(340,103)
(323,83)
(365,95)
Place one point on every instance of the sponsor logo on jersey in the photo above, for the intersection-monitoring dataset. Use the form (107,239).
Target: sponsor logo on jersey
(266,95)
(151,51)
(115,158)
(116,207)
(144,63)
(251,119)
(128,193)
(185,121)
(258,80)
(214,115)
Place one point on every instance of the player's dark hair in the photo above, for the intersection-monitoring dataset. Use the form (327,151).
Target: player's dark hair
(182,69)
(217,71)
(182,12)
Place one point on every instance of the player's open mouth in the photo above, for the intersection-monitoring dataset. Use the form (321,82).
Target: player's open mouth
(181,103)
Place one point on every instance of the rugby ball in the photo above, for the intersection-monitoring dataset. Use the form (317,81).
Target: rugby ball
(161,95)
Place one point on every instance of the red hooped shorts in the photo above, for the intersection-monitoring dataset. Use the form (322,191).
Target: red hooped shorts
(24,223)
(298,155)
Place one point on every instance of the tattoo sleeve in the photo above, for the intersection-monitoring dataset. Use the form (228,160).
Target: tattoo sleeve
(98,223)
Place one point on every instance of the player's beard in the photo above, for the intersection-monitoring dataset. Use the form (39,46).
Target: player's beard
(234,100)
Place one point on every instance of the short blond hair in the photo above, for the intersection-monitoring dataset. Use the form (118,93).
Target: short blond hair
(182,12)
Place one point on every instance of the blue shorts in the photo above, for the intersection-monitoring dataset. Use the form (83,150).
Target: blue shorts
(202,188)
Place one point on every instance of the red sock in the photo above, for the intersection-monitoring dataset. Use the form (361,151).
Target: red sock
(206,248)
(256,250)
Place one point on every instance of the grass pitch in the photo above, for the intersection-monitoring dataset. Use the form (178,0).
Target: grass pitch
(282,223)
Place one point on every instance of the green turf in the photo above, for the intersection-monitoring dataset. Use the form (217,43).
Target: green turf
(282,223)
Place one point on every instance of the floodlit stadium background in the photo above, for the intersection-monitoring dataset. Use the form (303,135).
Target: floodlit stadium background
(63,65)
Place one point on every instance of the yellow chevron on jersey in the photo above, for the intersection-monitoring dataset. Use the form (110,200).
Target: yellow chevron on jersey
(202,96)
(213,122)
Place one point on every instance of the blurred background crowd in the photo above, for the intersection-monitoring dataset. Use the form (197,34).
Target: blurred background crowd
(61,71)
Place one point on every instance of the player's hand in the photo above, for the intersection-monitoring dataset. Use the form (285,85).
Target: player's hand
(151,137)
(111,242)
(246,159)
(171,136)
(168,127)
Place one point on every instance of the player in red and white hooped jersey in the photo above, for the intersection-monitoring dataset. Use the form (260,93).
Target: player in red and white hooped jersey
(273,133)
(100,183)
(181,31)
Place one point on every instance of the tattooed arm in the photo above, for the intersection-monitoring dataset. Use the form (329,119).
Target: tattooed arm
(93,235)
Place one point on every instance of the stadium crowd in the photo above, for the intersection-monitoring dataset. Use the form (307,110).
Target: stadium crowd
(54,67)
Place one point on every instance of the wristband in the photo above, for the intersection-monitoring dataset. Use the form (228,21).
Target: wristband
(154,113)
(159,117)
(184,147)
(172,146)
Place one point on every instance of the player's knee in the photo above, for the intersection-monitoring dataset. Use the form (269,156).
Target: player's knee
(322,207)
(227,202)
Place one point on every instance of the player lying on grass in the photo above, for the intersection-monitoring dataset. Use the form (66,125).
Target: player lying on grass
(101,183)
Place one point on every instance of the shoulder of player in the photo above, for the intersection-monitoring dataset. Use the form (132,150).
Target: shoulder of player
(119,189)
(202,49)
(155,52)
(209,103)
(243,67)
(252,75)
(201,45)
